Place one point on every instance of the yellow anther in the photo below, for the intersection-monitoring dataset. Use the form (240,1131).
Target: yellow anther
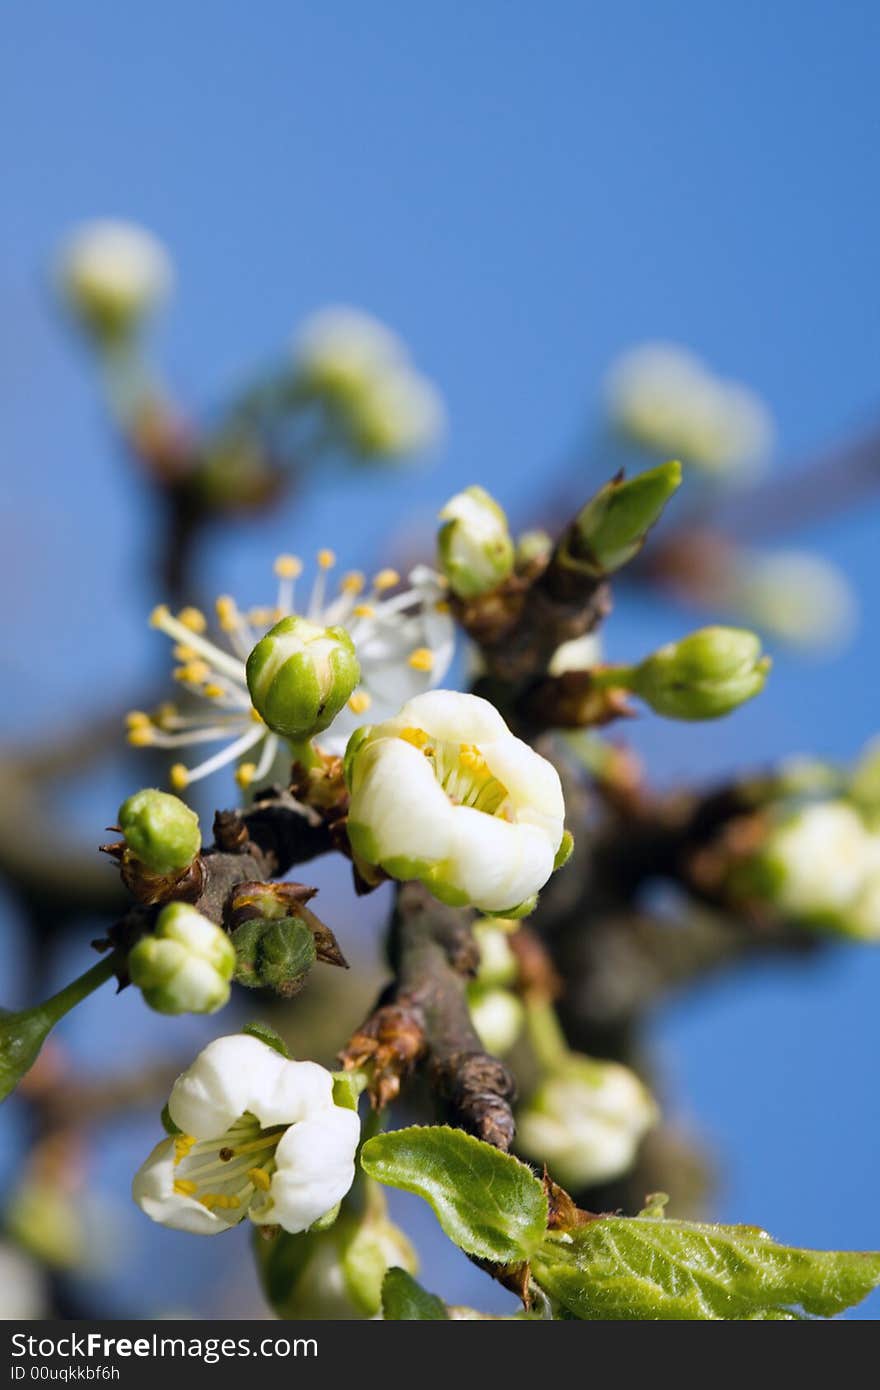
(352,583)
(140,735)
(211,1200)
(442,605)
(193,618)
(183,653)
(288,567)
(212,691)
(165,712)
(244,774)
(182,1145)
(227,612)
(386,579)
(422,659)
(178,776)
(261,617)
(160,615)
(364,610)
(185,1188)
(417,737)
(260,1178)
(471,757)
(136,717)
(359,702)
(326,559)
(256,716)
(193,673)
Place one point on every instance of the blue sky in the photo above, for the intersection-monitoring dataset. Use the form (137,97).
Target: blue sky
(522,191)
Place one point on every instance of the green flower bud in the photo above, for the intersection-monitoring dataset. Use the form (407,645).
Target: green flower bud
(704,676)
(498,964)
(300,676)
(274,954)
(474,547)
(185,966)
(335,1273)
(611,529)
(532,546)
(160,830)
(497,1015)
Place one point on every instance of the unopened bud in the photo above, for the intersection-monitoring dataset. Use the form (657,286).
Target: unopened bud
(274,955)
(704,676)
(474,546)
(301,675)
(160,830)
(185,966)
(611,529)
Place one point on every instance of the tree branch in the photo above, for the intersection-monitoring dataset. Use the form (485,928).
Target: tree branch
(423,1018)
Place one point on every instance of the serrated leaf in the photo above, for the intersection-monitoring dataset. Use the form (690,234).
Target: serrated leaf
(487,1202)
(404,1300)
(651,1268)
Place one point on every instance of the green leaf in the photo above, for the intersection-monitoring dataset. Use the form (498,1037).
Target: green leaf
(403,1300)
(646,1267)
(487,1202)
(347,1087)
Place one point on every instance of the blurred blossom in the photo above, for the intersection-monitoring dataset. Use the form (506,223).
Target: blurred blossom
(669,402)
(113,274)
(586,1120)
(821,865)
(23,1292)
(797,596)
(360,372)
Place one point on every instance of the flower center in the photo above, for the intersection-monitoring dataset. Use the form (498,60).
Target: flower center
(463,773)
(227,1173)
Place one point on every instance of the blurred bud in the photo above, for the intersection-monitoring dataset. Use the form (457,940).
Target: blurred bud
(360,370)
(341,351)
(274,955)
(49,1222)
(474,547)
(24,1290)
(497,1016)
(300,676)
(112,276)
(799,597)
(402,413)
(703,676)
(667,401)
(160,830)
(498,963)
(531,547)
(586,1120)
(185,966)
(819,865)
(611,529)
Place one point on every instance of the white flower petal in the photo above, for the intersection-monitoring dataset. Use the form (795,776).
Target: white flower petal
(452,715)
(497,864)
(315,1170)
(396,794)
(236,1074)
(153,1191)
(533,784)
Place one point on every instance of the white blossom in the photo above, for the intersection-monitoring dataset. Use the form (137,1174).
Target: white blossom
(446,794)
(260,1137)
(586,1121)
(113,273)
(668,401)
